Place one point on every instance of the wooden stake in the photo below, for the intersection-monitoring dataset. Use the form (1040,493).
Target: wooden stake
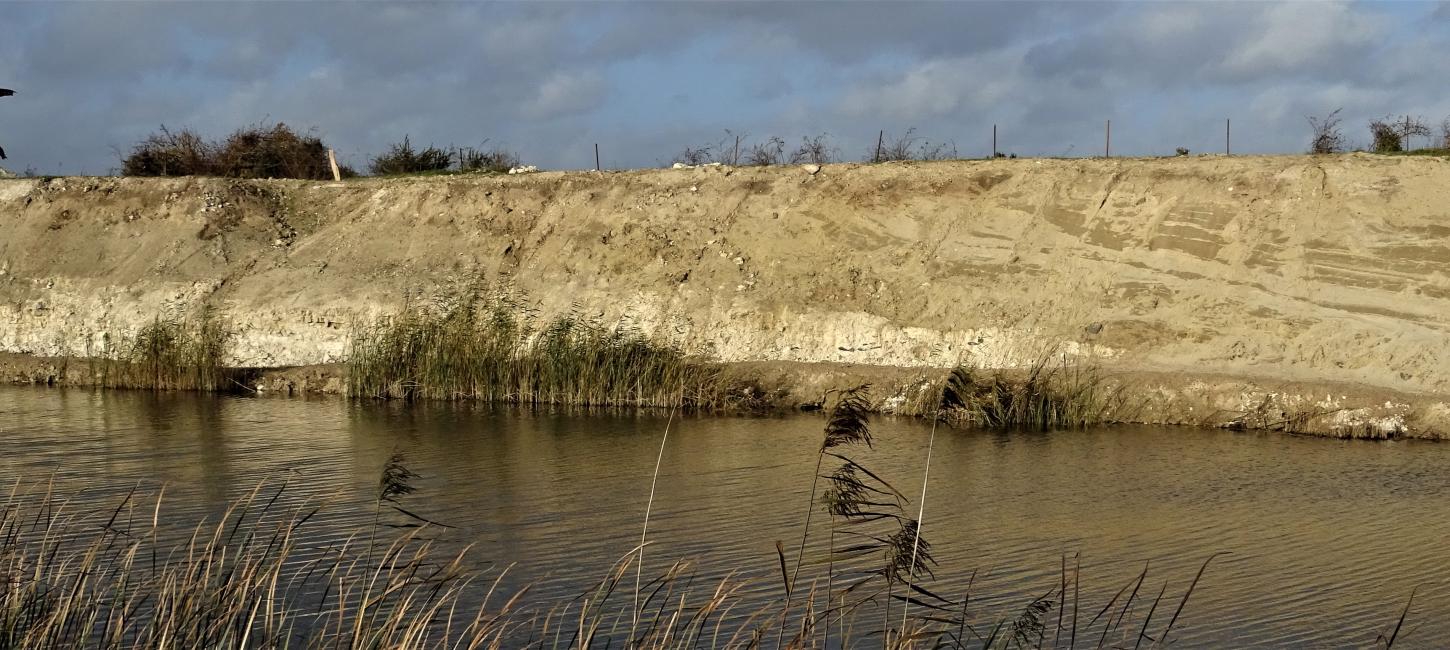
(332,161)
(994,140)
(879,138)
(1108,141)
(596,157)
(1227,131)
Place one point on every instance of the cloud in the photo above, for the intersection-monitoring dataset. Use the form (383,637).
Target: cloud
(565,93)
(940,88)
(644,79)
(1314,39)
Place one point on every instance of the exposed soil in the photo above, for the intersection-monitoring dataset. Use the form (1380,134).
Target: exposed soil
(1317,281)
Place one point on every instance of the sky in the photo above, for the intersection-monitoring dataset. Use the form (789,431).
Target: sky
(549,80)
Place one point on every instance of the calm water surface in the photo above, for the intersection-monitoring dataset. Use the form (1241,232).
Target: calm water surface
(1326,539)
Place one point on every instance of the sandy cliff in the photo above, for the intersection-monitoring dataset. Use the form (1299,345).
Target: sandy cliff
(1322,278)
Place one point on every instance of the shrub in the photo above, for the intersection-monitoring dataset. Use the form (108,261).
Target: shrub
(911,147)
(258,151)
(272,152)
(702,155)
(170,154)
(1327,137)
(1391,136)
(401,158)
(489,160)
(1385,137)
(816,149)
(770,152)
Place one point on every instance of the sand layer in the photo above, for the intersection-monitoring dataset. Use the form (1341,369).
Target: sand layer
(1230,283)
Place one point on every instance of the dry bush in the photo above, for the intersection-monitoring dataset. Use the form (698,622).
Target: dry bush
(1384,136)
(1327,137)
(402,158)
(170,154)
(487,160)
(1393,135)
(702,155)
(770,152)
(816,149)
(1413,127)
(911,147)
(272,152)
(1445,134)
(257,151)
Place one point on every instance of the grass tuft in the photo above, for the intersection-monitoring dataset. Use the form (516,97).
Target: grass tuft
(491,349)
(168,354)
(1051,395)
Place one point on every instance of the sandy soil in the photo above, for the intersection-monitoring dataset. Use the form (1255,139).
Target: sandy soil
(1275,275)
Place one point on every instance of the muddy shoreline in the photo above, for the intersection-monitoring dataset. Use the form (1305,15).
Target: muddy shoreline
(1313,409)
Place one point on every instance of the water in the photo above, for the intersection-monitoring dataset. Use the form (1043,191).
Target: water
(1326,539)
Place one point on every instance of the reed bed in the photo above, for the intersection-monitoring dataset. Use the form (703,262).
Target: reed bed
(170,354)
(1053,393)
(493,350)
(258,577)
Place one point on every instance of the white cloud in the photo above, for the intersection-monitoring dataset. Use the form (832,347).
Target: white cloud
(1294,36)
(939,88)
(565,93)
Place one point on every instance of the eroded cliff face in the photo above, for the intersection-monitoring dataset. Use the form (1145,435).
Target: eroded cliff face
(1279,269)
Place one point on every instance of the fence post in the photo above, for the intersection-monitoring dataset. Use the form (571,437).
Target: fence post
(880,137)
(1108,141)
(1227,132)
(596,157)
(994,141)
(332,162)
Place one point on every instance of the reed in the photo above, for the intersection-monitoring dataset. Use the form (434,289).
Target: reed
(256,577)
(492,349)
(1053,393)
(170,354)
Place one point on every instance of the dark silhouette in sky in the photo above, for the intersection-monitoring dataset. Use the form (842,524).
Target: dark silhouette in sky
(4,92)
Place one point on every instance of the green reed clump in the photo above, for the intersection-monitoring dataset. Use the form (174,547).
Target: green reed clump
(490,349)
(1049,395)
(170,354)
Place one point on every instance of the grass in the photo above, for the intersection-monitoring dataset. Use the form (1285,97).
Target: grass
(1054,393)
(491,349)
(170,354)
(1438,152)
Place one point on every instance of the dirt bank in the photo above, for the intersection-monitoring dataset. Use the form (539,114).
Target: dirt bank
(1272,276)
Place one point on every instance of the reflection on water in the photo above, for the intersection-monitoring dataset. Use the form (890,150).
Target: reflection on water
(1326,538)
